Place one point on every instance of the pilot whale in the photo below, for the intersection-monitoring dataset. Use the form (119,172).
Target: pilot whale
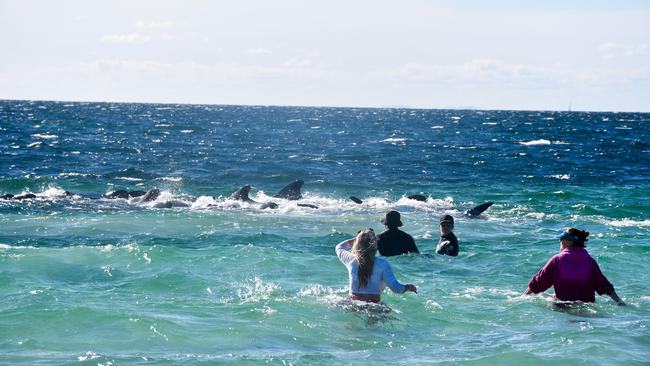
(150,196)
(28,196)
(146,197)
(154,193)
(291,191)
(471,213)
(123,193)
(242,195)
(476,211)
(19,197)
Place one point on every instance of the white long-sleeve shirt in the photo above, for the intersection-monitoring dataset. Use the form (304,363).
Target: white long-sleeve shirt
(382,273)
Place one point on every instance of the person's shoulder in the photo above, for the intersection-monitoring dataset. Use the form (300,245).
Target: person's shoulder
(405,234)
(558,256)
(381,262)
(586,254)
(383,234)
(408,236)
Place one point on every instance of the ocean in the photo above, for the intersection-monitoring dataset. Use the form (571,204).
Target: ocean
(87,280)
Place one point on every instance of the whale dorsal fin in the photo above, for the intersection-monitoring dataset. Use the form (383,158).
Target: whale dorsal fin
(292,191)
(473,212)
(151,195)
(242,194)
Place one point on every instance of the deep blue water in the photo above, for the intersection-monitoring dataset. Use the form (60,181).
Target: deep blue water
(88,280)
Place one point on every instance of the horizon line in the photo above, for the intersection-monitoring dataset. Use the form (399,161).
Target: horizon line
(459,108)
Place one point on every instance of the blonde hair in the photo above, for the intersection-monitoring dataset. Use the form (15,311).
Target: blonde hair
(364,249)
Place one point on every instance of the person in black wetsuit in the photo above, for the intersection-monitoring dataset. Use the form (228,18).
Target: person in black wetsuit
(448,244)
(394,241)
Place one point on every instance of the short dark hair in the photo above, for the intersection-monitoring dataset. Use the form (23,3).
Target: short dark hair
(581,235)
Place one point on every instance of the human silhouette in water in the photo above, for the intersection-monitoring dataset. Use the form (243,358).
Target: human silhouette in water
(448,244)
(573,273)
(394,241)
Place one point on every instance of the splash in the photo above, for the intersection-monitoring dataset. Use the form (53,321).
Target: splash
(542,142)
(204,202)
(394,140)
(535,142)
(53,193)
(316,290)
(44,136)
(560,176)
(172,179)
(629,223)
(256,290)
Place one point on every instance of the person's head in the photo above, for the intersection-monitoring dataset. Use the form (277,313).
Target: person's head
(573,238)
(364,250)
(446,224)
(391,219)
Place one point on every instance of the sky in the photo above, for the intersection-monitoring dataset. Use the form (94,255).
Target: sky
(500,54)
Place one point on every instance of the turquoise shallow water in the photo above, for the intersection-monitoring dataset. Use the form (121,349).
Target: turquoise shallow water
(92,281)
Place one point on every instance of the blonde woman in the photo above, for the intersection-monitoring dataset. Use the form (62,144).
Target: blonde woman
(368,274)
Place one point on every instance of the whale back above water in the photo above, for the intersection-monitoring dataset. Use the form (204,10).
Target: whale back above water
(122,193)
(471,213)
(356,200)
(417,197)
(292,191)
(242,194)
(18,197)
(151,195)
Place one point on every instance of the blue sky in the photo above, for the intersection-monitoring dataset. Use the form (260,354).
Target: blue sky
(548,55)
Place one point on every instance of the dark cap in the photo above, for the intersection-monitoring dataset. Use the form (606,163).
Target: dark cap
(447,219)
(391,219)
(569,237)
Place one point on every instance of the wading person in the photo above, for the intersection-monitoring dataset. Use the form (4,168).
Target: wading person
(448,244)
(573,273)
(368,274)
(394,241)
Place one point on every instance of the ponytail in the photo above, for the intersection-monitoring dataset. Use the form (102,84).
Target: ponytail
(364,249)
(581,235)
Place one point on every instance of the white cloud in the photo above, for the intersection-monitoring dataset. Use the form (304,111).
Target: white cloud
(259,51)
(170,37)
(475,71)
(133,38)
(486,83)
(182,72)
(612,50)
(298,62)
(141,24)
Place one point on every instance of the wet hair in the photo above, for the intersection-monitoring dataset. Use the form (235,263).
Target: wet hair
(364,249)
(581,235)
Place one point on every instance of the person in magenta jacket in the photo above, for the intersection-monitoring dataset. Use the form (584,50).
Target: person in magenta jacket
(573,273)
